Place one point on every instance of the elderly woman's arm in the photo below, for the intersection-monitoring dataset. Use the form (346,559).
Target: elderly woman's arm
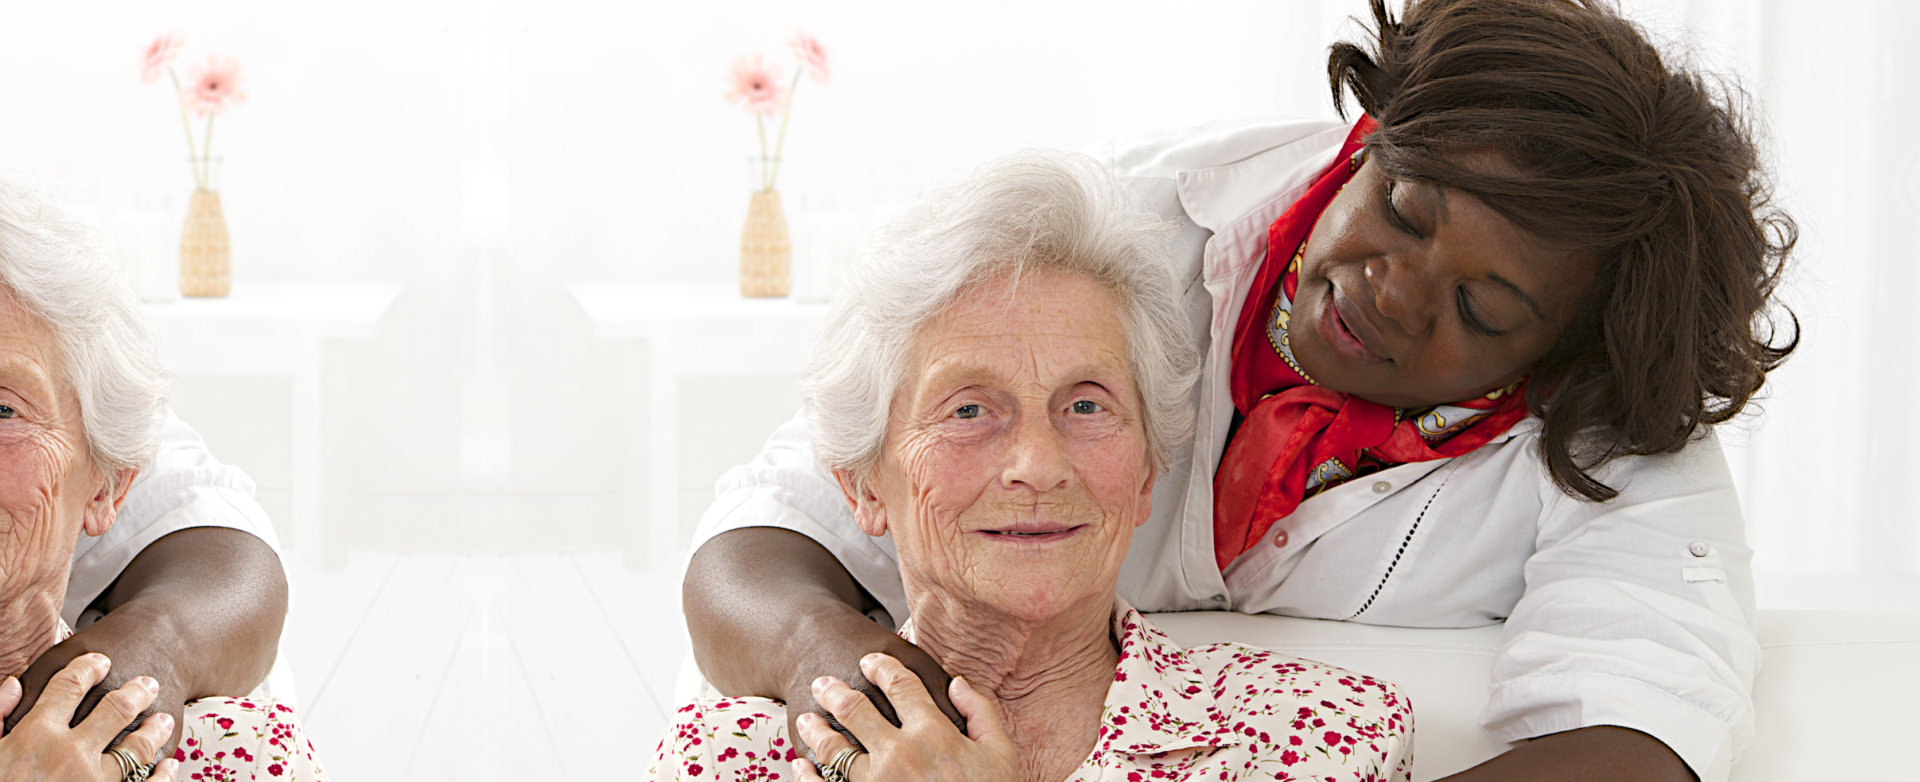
(200,610)
(770,610)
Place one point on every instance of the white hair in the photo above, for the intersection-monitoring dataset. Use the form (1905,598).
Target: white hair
(1029,212)
(55,271)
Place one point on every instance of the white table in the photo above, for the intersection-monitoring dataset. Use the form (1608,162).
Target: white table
(277,329)
(691,329)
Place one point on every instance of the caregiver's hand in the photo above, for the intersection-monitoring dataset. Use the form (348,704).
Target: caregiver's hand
(43,745)
(925,746)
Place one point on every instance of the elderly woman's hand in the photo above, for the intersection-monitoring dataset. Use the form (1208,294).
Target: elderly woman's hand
(925,746)
(43,746)
(133,656)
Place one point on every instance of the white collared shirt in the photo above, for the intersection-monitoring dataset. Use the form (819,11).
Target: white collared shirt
(1637,612)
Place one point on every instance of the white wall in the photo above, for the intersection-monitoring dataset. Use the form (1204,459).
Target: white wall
(486,151)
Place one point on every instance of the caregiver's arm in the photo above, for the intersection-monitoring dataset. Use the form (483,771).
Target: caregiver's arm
(1597,754)
(1638,613)
(199,610)
(770,610)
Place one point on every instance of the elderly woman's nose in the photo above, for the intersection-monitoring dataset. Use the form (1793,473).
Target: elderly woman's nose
(1403,292)
(1037,456)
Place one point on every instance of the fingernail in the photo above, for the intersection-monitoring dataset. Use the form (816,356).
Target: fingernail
(147,683)
(164,720)
(819,685)
(870,660)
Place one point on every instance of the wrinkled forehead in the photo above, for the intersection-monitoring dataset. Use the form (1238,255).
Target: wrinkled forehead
(1062,310)
(30,359)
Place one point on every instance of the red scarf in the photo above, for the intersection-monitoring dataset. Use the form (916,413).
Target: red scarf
(1299,438)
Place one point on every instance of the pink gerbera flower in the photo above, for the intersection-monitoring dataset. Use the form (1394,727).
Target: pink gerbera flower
(756,87)
(215,86)
(159,55)
(812,56)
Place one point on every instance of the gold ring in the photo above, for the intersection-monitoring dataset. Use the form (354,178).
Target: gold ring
(840,768)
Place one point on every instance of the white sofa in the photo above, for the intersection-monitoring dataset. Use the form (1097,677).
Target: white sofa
(1837,696)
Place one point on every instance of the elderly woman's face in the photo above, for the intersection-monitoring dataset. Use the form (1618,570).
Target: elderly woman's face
(49,488)
(1015,465)
(1413,295)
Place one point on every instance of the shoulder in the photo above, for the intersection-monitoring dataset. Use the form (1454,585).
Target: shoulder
(1306,694)
(1700,468)
(260,736)
(724,738)
(1274,691)
(1167,152)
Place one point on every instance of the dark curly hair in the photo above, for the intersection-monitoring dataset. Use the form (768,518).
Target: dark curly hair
(1651,168)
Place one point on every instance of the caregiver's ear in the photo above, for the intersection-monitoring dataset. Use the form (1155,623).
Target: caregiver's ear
(867,509)
(104,506)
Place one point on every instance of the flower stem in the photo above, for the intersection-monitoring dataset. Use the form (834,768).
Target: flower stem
(180,98)
(766,179)
(781,141)
(206,159)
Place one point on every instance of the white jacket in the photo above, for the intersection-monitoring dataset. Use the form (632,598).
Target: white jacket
(1637,612)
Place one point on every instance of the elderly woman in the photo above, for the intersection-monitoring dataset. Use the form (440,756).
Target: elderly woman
(81,397)
(1009,376)
(1463,359)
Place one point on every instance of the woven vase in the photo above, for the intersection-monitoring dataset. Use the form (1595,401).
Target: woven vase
(766,256)
(206,263)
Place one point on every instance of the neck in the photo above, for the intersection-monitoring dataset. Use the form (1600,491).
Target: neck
(29,624)
(1049,678)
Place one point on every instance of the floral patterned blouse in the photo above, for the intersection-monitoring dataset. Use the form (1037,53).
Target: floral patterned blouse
(1215,712)
(242,739)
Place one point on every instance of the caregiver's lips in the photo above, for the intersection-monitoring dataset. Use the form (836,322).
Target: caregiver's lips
(1351,336)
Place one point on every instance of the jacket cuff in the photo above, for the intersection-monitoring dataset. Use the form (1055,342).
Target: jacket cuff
(1535,706)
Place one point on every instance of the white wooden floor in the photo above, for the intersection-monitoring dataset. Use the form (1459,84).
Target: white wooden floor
(485,667)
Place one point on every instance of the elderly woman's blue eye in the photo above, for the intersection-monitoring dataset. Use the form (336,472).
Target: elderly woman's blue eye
(967,411)
(1086,407)
(6,412)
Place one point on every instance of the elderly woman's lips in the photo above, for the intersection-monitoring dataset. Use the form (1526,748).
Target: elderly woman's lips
(1032,534)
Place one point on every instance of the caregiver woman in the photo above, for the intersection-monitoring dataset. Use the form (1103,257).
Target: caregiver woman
(1462,365)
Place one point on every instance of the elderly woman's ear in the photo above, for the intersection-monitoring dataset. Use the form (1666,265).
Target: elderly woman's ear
(1145,511)
(867,511)
(104,506)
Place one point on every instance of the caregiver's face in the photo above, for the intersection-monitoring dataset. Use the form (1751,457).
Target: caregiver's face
(1412,295)
(1015,465)
(49,488)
